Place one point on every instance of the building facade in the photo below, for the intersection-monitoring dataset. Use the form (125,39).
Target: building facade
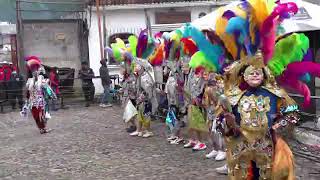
(121,18)
(8,43)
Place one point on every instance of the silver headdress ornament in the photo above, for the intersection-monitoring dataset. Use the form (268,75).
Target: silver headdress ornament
(143,63)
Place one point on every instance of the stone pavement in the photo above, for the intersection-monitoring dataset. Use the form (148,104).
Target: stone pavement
(90,143)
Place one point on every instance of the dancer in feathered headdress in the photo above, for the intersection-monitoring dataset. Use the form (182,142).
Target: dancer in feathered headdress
(261,110)
(139,72)
(38,90)
(207,56)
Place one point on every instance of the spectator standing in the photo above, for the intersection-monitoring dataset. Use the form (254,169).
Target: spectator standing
(6,77)
(15,89)
(54,84)
(105,81)
(3,95)
(7,71)
(86,74)
(1,73)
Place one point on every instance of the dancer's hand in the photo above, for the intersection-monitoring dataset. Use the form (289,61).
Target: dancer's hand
(230,120)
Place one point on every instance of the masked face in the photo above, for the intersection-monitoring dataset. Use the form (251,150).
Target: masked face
(205,76)
(139,70)
(253,76)
(35,73)
(211,78)
(220,84)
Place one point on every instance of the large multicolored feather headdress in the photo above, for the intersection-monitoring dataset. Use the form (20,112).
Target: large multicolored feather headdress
(252,26)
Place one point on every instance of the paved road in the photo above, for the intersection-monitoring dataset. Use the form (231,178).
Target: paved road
(90,143)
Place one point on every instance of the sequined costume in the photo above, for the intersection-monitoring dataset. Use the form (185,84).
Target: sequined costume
(171,90)
(146,95)
(129,88)
(214,118)
(146,82)
(254,141)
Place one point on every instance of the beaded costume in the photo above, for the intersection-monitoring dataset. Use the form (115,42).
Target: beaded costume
(253,141)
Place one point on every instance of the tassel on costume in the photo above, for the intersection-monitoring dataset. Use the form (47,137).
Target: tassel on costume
(283,163)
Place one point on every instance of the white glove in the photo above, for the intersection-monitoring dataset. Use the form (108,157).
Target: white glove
(214,126)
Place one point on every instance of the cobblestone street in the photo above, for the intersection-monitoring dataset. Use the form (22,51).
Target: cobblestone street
(91,143)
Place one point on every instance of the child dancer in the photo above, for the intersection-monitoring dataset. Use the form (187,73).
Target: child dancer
(170,90)
(145,85)
(129,95)
(197,123)
(213,91)
(181,104)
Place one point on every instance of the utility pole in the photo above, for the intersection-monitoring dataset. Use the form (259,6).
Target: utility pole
(19,27)
(99,27)
(104,29)
(148,23)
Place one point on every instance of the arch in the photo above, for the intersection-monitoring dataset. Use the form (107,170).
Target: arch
(112,39)
(123,36)
(202,14)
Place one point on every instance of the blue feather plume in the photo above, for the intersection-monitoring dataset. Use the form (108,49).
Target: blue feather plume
(212,52)
(240,25)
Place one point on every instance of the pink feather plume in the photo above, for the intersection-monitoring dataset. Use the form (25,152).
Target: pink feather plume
(269,27)
(298,86)
(294,71)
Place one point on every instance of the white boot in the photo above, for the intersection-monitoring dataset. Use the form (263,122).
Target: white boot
(135,133)
(222,170)
(221,156)
(48,116)
(212,154)
(147,134)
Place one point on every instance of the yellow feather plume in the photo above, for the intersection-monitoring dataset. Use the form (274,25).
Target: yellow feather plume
(261,9)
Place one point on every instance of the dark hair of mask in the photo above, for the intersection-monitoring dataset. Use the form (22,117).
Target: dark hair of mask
(29,74)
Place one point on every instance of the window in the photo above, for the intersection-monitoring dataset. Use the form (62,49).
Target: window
(172,17)
(302,14)
(202,14)
(123,36)
(5,48)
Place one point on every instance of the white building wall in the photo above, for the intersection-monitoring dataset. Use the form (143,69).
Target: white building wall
(125,19)
(94,51)
(195,11)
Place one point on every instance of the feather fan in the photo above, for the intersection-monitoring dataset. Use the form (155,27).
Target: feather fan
(288,50)
(199,60)
(157,57)
(142,43)
(189,46)
(212,52)
(133,41)
(269,28)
